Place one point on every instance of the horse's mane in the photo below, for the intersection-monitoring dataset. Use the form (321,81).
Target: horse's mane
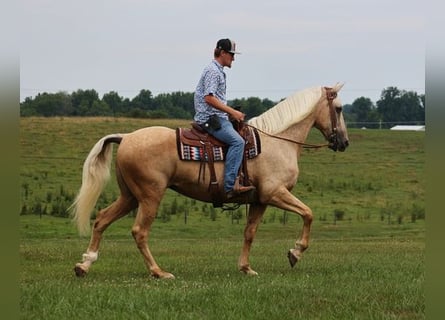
(288,112)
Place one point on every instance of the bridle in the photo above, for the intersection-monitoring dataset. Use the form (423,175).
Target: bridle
(333,139)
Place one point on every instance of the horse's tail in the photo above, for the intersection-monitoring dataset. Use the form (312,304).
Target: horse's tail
(95,175)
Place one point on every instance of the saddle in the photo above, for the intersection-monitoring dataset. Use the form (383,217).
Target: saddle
(195,144)
(196,135)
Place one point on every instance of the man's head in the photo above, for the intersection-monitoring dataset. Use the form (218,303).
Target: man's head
(225,52)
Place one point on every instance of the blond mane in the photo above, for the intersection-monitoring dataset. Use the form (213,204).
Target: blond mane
(288,112)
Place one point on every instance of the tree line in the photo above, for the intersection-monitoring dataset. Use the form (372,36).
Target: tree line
(394,106)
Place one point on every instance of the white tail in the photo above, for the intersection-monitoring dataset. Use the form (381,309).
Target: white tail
(95,175)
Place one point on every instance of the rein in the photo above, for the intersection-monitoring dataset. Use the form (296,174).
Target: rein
(303,144)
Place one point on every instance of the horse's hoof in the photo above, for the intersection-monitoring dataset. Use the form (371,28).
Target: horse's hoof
(163,275)
(167,275)
(293,259)
(80,272)
(249,271)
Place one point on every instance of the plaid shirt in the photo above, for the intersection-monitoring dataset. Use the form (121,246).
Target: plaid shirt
(212,81)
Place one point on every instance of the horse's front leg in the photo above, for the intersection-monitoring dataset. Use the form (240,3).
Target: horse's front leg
(287,201)
(256,212)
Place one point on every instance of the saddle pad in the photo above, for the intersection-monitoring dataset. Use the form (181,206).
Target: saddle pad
(197,153)
(194,153)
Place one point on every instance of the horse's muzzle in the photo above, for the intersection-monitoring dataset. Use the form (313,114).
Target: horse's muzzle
(342,146)
(336,145)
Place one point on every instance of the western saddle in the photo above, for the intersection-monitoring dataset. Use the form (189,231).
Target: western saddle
(198,138)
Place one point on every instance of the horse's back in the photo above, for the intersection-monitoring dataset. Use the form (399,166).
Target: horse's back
(149,136)
(148,144)
(155,133)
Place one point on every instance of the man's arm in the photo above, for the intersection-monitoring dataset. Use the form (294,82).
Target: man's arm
(216,103)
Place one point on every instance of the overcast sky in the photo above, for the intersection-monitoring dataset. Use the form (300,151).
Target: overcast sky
(163,45)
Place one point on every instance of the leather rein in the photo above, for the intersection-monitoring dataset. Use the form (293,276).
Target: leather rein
(330,96)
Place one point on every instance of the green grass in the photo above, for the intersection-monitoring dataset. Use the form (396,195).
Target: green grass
(370,265)
(345,275)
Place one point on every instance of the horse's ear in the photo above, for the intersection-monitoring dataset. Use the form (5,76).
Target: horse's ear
(338,86)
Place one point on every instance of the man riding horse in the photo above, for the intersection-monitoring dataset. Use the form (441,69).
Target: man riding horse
(213,113)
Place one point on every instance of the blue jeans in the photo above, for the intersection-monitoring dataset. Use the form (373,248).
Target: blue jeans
(234,157)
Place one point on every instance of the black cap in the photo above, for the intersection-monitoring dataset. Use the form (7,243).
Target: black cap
(227,45)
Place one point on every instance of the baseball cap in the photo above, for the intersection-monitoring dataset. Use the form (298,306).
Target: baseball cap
(227,45)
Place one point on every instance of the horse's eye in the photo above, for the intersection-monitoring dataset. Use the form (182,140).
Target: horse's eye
(338,109)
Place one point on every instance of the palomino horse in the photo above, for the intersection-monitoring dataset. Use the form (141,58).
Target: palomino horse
(147,163)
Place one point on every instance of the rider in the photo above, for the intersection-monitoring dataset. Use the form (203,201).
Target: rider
(212,114)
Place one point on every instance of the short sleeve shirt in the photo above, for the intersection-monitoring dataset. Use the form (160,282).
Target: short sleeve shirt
(212,82)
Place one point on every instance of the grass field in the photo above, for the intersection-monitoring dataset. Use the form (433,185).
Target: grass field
(368,265)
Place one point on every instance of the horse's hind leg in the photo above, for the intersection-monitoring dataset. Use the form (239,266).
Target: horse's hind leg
(256,212)
(141,229)
(105,217)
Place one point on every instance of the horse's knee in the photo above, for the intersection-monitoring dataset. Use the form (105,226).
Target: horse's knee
(97,222)
(139,236)
(307,216)
(136,232)
(249,233)
(98,226)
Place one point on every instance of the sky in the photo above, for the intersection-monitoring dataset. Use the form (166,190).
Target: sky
(286,46)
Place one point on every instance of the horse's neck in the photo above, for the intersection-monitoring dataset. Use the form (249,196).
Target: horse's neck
(298,131)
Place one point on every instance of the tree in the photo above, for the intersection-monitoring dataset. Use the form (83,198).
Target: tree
(184,101)
(27,108)
(47,105)
(394,106)
(114,101)
(411,107)
(267,104)
(252,106)
(400,106)
(99,108)
(176,105)
(65,104)
(126,106)
(387,105)
(82,101)
(143,101)
(362,108)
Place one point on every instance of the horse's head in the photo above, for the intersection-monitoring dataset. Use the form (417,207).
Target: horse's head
(330,119)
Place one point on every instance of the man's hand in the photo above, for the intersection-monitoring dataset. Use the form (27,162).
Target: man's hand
(237,115)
